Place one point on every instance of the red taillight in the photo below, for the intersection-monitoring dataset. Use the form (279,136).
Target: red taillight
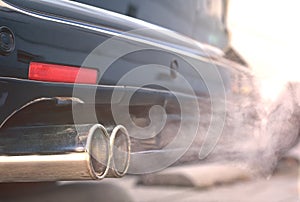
(61,73)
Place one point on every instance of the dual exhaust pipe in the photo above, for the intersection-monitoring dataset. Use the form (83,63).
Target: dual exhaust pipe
(67,152)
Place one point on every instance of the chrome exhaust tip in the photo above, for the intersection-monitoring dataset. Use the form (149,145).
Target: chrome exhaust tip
(120,152)
(65,152)
(98,150)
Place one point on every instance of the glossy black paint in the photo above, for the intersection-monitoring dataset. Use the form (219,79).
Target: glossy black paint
(46,40)
(63,32)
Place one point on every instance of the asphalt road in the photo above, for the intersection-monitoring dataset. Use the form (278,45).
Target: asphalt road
(282,186)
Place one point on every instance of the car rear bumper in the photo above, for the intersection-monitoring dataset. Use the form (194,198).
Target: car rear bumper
(16,94)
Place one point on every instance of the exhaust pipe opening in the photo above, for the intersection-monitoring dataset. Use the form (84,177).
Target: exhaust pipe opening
(120,150)
(99,152)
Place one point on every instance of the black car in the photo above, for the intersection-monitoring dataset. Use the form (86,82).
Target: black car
(74,78)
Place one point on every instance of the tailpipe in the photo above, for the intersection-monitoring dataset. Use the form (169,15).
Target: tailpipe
(68,152)
(120,151)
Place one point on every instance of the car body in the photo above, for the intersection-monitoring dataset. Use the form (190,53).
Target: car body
(66,33)
(202,20)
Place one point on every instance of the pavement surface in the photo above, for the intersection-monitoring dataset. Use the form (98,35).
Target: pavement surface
(282,186)
(200,176)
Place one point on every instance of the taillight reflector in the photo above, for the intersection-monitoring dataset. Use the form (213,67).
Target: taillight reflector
(61,73)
